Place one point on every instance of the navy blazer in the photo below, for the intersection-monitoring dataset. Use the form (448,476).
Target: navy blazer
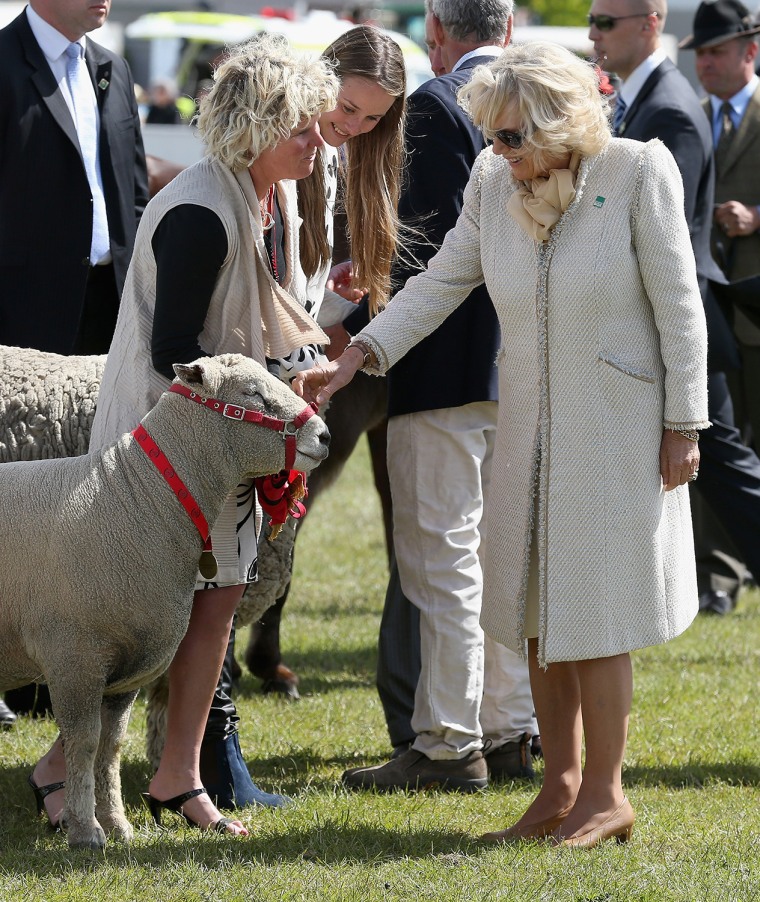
(45,199)
(455,365)
(667,108)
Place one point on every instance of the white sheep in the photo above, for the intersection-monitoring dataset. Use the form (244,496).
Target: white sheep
(115,556)
(47,403)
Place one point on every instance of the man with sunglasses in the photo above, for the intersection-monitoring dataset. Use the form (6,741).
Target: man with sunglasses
(434,664)
(656,101)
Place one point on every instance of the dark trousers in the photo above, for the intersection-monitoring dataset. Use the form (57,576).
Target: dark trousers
(729,475)
(398,663)
(99,313)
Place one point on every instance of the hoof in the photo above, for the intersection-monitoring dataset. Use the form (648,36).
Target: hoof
(120,830)
(89,838)
(286,688)
(282,682)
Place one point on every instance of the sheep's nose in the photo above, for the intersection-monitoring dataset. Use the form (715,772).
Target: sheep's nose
(324,438)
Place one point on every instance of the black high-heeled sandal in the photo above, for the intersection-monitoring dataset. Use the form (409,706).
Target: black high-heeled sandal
(41,793)
(175,804)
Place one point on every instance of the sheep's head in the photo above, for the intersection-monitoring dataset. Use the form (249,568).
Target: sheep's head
(239,380)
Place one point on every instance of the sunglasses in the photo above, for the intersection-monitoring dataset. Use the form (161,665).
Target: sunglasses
(511,139)
(607,23)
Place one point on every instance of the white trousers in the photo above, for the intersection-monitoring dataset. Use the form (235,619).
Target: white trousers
(439,463)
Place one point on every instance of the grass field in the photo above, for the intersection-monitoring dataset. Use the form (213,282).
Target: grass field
(692,773)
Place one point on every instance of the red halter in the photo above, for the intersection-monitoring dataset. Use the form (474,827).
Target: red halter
(279,494)
(288,429)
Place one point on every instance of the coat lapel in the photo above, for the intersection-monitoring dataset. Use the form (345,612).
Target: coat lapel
(746,134)
(641,97)
(43,80)
(100,72)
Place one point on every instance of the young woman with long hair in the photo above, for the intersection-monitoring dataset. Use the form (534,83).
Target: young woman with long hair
(370,115)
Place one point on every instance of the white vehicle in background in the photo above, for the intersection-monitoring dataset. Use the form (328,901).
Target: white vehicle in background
(184,45)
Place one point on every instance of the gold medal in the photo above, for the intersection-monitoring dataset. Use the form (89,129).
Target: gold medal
(207,565)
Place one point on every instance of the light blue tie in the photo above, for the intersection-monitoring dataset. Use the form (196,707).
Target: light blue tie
(618,115)
(86,122)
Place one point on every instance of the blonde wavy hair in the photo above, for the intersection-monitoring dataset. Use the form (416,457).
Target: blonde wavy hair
(371,171)
(555,93)
(262,91)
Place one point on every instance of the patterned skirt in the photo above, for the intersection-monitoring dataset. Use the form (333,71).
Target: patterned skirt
(234,539)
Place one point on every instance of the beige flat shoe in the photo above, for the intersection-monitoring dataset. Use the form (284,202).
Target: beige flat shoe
(618,826)
(535,832)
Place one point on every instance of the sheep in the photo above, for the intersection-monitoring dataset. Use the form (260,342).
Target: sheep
(47,404)
(120,555)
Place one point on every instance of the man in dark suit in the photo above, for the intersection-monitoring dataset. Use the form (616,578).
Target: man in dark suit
(442,418)
(656,101)
(53,295)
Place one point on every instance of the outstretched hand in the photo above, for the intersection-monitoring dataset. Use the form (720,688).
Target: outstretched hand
(320,383)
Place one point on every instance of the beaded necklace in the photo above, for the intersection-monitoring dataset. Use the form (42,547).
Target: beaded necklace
(268,224)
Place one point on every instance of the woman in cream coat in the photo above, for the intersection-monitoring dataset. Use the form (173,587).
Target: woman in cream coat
(582,242)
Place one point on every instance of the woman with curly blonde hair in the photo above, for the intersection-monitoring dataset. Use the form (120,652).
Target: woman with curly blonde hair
(582,242)
(216,269)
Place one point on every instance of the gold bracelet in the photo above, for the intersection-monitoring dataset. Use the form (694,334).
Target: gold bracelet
(691,434)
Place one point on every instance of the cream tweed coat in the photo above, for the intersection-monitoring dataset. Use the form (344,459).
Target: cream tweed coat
(603,344)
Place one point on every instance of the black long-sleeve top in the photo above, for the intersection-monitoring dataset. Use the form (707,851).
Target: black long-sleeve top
(190,246)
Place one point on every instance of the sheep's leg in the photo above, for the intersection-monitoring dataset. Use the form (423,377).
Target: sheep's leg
(109,807)
(156,701)
(77,710)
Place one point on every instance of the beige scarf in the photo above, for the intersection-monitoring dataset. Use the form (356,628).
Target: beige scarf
(537,205)
(281,319)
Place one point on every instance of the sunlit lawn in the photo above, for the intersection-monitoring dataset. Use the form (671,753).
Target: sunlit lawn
(692,773)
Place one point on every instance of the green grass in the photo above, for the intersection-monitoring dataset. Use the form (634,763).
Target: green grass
(692,773)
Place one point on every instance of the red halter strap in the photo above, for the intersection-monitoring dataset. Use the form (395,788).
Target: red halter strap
(288,429)
(161,462)
(284,489)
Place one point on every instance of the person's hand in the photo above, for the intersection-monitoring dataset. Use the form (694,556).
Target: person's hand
(736,219)
(341,280)
(679,459)
(339,338)
(319,384)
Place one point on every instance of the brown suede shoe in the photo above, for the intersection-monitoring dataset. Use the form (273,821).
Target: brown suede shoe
(511,761)
(415,771)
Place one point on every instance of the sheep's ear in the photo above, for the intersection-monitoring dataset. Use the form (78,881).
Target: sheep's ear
(190,373)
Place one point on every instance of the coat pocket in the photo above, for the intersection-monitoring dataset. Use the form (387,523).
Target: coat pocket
(629,369)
